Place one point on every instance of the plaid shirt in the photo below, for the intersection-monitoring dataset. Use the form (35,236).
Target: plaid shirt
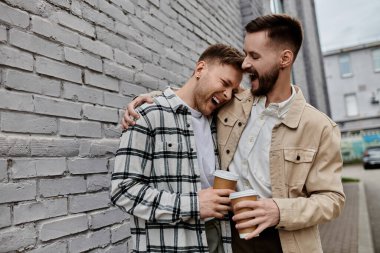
(156,179)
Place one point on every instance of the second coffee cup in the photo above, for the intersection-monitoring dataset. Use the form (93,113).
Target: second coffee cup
(235,198)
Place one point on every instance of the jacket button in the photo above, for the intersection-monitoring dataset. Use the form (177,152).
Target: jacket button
(240,124)
(226,119)
(188,125)
(298,157)
(191,149)
(227,151)
(170,145)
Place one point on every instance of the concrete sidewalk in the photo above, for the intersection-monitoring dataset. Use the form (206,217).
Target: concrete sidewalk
(350,232)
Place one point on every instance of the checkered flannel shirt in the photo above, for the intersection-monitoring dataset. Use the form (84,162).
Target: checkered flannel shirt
(156,179)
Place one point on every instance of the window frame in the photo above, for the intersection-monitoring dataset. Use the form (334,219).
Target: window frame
(376,51)
(346,105)
(345,74)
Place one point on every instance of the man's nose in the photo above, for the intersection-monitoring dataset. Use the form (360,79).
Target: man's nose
(246,65)
(228,94)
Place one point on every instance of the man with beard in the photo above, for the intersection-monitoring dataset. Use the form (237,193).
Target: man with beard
(282,147)
(164,166)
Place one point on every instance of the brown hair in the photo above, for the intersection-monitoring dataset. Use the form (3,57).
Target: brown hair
(223,54)
(281,29)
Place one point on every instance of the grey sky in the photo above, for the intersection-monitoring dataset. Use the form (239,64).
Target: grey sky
(344,23)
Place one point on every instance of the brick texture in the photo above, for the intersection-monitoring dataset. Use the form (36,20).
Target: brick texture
(68,70)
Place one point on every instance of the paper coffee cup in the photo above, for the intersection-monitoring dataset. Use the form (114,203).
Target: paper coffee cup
(235,198)
(225,180)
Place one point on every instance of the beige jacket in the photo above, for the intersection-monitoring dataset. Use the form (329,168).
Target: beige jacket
(305,167)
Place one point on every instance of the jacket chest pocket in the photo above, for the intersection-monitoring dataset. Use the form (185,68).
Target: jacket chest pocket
(297,165)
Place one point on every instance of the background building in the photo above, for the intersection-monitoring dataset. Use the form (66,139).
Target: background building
(353,75)
(68,68)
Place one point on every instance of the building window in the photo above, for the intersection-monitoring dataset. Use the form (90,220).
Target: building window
(376,59)
(277,6)
(351,105)
(345,65)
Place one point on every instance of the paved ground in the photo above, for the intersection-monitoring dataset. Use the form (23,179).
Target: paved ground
(371,180)
(341,235)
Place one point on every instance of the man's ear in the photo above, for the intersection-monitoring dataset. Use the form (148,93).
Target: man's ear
(201,65)
(287,57)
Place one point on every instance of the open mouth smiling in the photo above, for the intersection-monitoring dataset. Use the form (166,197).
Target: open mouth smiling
(215,100)
(253,76)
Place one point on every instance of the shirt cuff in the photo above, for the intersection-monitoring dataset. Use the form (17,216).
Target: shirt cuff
(284,206)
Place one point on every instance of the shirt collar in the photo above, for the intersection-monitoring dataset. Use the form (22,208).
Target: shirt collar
(278,110)
(173,100)
(176,103)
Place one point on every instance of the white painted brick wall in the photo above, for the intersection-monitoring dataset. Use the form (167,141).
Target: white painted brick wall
(5,216)
(83,203)
(30,123)
(69,68)
(93,240)
(54,147)
(70,21)
(3,170)
(42,167)
(15,238)
(106,218)
(26,81)
(15,58)
(3,34)
(98,182)
(62,186)
(16,101)
(53,31)
(12,192)
(56,247)
(13,146)
(80,93)
(39,210)
(101,81)
(83,59)
(59,70)
(59,227)
(100,113)
(35,44)
(80,128)
(13,16)
(87,165)
(120,232)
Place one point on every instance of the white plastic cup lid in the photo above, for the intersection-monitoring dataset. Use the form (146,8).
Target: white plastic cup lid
(226,175)
(245,193)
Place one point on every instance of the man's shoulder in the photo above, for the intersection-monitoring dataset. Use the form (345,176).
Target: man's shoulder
(160,103)
(317,116)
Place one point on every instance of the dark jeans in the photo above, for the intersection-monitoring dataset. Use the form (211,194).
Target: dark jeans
(267,242)
(214,236)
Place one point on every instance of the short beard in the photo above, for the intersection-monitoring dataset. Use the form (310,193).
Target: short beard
(266,82)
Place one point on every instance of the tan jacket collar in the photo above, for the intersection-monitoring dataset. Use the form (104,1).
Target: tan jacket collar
(293,117)
(247,98)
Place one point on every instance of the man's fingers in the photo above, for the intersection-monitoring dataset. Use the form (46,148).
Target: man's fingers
(223,200)
(223,192)
(130,112)
(223,208)
(250,223)
(245,215)
(247,204)
(257,232)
